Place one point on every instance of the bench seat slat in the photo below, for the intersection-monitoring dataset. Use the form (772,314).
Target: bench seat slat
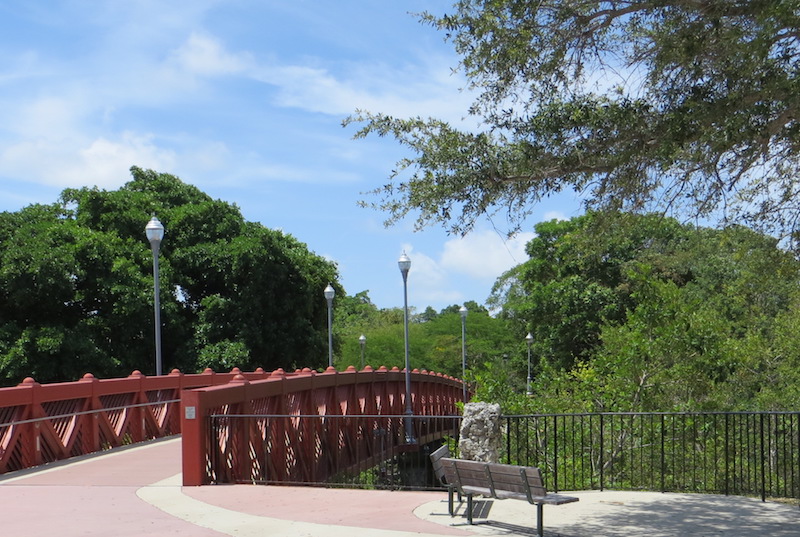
(471,489)
(550,499)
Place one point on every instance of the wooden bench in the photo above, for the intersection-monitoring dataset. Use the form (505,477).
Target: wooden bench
(438,470)
(501,481)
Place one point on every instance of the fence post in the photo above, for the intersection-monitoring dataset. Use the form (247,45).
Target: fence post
(663,458)
(193,439)
(795,492)
(727,453)
(31,438)
(602,452)
(555,453)
(91,422)
(508,440)
(763,460)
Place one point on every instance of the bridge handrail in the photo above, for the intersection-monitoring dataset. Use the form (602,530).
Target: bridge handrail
(42,423)
(85,413)
(351,392)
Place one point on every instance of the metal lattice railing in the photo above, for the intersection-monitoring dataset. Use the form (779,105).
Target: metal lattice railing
(43,423)
(737,453)
(310,427)
(365,451)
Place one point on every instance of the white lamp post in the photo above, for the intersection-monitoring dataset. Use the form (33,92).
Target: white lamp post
(463,311)
(529,341)
(154,231)
(329,294)
(404,263)
(362,340)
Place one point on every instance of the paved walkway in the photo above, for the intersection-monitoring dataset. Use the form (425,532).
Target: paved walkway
(137,492)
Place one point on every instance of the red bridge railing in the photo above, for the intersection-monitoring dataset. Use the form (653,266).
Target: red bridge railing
(42,423)
(276,429)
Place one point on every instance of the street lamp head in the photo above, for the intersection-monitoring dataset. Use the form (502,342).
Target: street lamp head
(529,339)
(329,293)
(362,340)
(154,232)
(463,311)
(405,264)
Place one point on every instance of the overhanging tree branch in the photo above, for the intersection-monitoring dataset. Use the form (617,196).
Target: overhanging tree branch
(710,120)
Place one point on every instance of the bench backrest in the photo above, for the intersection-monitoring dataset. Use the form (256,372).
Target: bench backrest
(466,473)
(525,480)
(436,461)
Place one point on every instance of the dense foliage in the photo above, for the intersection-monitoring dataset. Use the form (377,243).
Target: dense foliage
(656,316)
(688,106)
(76,286)
(435,338)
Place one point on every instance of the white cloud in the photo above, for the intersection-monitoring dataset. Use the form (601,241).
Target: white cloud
(204,55)
(78,127)
(484,254)
(467,263)
(554,215)
(428,280)
(107,162)
(50,117)
(426,90)
(101,162)
(425,269)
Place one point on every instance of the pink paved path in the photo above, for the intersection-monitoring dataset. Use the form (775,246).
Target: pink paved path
(93,497)
(98,496)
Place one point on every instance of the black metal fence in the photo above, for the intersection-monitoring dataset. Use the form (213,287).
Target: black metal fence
(743,453)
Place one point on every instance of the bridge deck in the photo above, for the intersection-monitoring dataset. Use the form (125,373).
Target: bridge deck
(137,492)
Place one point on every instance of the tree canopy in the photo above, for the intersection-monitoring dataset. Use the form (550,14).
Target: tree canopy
(655,316)
(434,337)
(76,286)
(676,105)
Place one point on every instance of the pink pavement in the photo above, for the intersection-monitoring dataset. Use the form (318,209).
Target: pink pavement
(97,496)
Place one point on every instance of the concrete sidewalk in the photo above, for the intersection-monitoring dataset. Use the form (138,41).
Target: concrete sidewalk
(137,491)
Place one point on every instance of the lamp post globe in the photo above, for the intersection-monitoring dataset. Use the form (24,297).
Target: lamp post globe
(154,231)
(463,312)
(529,341)
(404,264)
(329,293)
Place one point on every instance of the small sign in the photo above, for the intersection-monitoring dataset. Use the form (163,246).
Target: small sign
(190,412)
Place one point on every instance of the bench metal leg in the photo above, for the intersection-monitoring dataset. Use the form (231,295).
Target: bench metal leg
(451,491)
(469,508)
(539,522)
(450,499)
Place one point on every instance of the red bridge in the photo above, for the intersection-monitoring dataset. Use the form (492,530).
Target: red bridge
(236,427)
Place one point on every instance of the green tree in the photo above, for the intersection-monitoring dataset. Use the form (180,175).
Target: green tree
(657,316)
(576,279)
(768,373)
(68,297)
(76,286)
(434,338)
(679,105)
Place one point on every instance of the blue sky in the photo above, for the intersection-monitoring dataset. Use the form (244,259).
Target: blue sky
(244,99)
